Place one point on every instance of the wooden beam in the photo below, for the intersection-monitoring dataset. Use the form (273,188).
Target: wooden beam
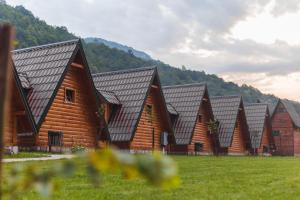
(6,35)
(77,65)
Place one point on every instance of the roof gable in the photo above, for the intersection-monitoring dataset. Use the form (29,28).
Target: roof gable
(131,88)
(186,99)
(257,115)
(225,109)
(24,100)
(292,109)
(45,67)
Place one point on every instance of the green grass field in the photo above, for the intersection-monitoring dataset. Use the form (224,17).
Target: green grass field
(27,155)
(202,178)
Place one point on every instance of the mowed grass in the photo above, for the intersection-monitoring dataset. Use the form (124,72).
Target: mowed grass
(27,155)
(202,178)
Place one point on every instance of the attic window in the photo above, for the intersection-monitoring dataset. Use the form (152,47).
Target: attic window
(69,95)
(149,112)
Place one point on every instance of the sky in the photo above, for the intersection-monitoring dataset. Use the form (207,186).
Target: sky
(254,42)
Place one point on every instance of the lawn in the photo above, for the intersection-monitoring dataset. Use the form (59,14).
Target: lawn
(27,155)
(202,178)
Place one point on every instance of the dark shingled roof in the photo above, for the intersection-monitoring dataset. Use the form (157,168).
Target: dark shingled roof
(24,100)
(25,81)
(171,109)
(110,97)
(131,88)
(45,67)
(225,109)
(186,99)
(293,109)
(257,115)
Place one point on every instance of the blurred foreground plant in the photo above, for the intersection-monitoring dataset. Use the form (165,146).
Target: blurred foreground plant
(157,169)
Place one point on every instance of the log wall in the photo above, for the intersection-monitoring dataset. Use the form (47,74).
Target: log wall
(282,122)
(143,139)
(200,134)
(238,146)
(78,121)
(265,140)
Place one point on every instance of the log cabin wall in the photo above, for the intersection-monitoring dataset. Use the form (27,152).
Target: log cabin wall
(150,125)
(238,146)
(201,131)
(77,121)
(18,119)
(297,142)
(282,122)
(265,141)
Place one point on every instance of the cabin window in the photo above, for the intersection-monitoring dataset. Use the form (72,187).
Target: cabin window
(149,111)
(69,95)
(275,133)
(266,149)
(55,138)
(200,118)
(198,147)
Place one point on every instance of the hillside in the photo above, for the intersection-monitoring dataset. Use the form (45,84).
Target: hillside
(33,31)
(121,47)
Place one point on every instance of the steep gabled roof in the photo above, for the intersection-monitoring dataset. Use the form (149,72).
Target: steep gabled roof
(225,109)
(20,87)
(292,109)
(131,87)
(109,97)
(186,99)
(172,110)
(257,115)
(45,68)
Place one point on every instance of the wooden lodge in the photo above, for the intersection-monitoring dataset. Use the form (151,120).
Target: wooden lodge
(20,120)
(286,128)
(190,110)
(61,96)
(260,128)
(233,134)
(135,109)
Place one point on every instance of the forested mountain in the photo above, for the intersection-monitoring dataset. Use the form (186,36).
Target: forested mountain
(32,31)
(116,45)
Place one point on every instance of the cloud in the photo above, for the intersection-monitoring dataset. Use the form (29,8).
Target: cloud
(197,34)
(282,7)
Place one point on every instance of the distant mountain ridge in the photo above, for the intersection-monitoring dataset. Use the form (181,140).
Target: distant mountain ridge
(136,53)
(104,56)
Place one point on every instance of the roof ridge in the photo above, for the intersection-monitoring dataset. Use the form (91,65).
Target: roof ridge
(226,96)
(255,104)
(185,85)
(124,71)
(38,47)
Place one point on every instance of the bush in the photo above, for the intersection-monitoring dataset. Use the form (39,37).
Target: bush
(78,149)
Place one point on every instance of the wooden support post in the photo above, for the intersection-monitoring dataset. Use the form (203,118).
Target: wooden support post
(6,34)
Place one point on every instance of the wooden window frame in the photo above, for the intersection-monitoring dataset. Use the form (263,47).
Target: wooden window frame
(149,111)
(74,96)
(59,136)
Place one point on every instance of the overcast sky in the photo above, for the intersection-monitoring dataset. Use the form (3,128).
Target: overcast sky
(256,42)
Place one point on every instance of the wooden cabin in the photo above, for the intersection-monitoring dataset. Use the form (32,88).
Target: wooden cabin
(286,128)
(61,96)
(233,134)
(190,110)
(20,121)
(135,109)
(260,128)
